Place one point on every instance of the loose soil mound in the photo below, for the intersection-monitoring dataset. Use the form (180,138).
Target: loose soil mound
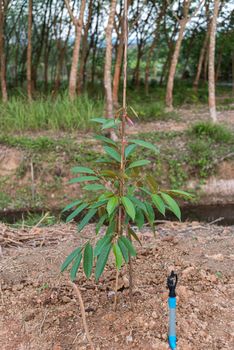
(38,309)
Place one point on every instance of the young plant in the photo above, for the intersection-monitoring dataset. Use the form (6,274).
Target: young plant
(120,195)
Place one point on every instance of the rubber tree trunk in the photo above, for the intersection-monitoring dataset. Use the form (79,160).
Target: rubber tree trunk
(76,50)
(29,51)
(2,54)
(108,62)
(172,71)
(233,73)
(201,60)
(211,71)
(84,48)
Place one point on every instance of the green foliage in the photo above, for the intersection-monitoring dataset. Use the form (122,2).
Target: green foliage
(120,196)
(214,132)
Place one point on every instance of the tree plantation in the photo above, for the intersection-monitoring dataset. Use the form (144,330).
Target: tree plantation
(116,174)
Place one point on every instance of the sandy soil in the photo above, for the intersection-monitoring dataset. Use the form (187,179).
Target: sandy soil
(38,310)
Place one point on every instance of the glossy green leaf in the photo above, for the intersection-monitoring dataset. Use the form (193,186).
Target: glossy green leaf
(129,207)
(129,150)
(111,124)
(98,204)
(82,169)
(138,163)
(181,193)
(112,153)
(118,256)
(132,233)
(83,178)
(138,203)
(139,219)
(173,206)
(75,266)
(145,145)
(88,260)
(99,120)
(86,219)
(112,204)
(150,211)
(105,139)
(124,250)
(111,227)
(101,243)
(70,258)
(158,202)
(76,212)
(94,187)
(128,245)
(100,222)
(71,205)
(102,260)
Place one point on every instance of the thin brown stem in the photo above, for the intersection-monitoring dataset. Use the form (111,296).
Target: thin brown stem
(116,289)
(82,309)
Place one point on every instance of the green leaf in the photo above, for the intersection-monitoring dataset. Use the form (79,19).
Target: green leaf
(101,243)
(124,250)
(129,207)
(111,228)
(108,173)
(158,202)
(128,245)
(76,212)
(134,235)
(86,219)
(75,266)
(139,219)
(94,187)
(150,212)
(100,222)
(105,139)
(145,145)
(112,204)
(82,169)
(83,178)
(181,193)
(143,189)
(105,195)
(111,124)
(70,258)
(102,260)
(71,205)
(98,204)
(118,256)
(99,120)
(88,260)
(112,153)
(138,203)
(129,150)
(138,163)
(173,206)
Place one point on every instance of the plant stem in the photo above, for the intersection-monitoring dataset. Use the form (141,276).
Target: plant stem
(116,289)
(82,309)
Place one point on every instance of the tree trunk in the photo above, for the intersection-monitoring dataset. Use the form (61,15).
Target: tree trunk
(108,62)
(172,71)
(29,51)
(212,102)
(233,73)
(76,51)
(2,54)
(201,59)
(153,46)
(84,49)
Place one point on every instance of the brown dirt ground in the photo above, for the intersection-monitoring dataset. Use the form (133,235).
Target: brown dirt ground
(38,310)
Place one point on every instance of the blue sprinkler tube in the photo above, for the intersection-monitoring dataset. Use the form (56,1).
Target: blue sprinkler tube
(171,284)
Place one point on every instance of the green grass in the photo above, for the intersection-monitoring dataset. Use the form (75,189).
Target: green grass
(215,132)
(47,113)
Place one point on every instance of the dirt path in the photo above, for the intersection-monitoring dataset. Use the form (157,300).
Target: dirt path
(38,310)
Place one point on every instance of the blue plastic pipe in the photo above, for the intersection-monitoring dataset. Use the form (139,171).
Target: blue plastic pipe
(171,283)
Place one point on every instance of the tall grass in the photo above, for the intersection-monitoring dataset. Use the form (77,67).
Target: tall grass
(48,113)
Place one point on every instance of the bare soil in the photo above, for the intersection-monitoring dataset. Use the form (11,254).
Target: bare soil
(38,310)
